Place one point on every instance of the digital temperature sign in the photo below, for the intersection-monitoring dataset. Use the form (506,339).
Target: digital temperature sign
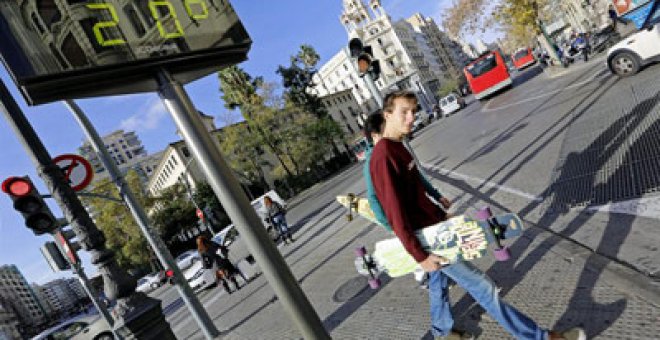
(67,49)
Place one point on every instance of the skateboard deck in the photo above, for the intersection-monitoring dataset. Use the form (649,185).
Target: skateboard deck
(460,238)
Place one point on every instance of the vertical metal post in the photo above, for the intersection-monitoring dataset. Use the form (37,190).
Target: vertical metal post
(84,281)
(239,209)
(163,254)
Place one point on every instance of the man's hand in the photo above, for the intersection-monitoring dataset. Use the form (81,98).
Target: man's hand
(445,202)
(433,263)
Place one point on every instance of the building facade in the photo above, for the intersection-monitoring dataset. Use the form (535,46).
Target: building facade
(125,148)
(61,296)
(9,324)
(413,54)
(21,299)
(344,108)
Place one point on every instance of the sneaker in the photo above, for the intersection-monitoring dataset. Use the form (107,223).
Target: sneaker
(457,335)
(575,333)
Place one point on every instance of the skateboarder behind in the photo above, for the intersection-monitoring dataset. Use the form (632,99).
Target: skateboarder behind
(401,193)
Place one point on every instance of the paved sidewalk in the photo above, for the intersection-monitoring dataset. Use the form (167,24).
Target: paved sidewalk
(556,282)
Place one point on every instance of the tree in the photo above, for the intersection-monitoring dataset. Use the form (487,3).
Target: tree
(173,212)
(519,19)
(244,152)
(448,86)
(297,80)
(240,91)
(117,223)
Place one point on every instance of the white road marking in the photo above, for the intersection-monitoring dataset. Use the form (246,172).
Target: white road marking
(645,207)
(484,183)
(486,108)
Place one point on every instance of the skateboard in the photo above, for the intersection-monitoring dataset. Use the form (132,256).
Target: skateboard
(460,238)
(358,205)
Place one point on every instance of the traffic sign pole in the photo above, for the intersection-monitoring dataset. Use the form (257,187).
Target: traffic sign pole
(235,202)
(156,243)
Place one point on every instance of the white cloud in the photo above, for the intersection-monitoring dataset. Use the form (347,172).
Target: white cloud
(147,117)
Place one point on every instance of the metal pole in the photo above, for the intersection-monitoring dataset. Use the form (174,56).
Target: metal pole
(163,254)
(84,281)
(239,209)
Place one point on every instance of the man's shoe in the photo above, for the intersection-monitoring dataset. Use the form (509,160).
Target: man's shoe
(575,333)
(457,335)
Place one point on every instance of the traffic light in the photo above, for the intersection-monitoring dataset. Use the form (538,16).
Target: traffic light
(54,256)
(365,60)
(28,202)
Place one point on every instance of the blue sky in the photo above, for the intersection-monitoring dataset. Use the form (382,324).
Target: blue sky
(277,29)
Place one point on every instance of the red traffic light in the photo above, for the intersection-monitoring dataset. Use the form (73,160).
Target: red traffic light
(17,186)
(169,273)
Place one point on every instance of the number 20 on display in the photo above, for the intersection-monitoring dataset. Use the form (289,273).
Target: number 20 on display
(201,12)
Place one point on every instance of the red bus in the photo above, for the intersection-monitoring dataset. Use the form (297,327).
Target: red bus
(487,75)
(523,58)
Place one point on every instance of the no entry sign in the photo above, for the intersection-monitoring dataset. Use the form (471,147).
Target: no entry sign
(76,169)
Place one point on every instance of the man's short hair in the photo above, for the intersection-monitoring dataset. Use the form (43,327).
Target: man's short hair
(373,124)
(388,102)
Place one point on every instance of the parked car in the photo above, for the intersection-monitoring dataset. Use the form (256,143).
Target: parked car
(226,236)
(198,277)
(88,327)
(451,103)
(148,283)
(186,259)
(638,49)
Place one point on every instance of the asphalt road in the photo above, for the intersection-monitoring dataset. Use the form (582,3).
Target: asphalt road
(513,152)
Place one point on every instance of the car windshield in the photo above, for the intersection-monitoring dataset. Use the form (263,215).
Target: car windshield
(68,331)
(450,99)
(183,256)
(482,66)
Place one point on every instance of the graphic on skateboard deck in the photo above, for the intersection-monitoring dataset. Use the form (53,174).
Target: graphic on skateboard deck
(458,239)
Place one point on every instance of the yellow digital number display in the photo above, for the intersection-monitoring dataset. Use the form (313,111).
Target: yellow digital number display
(196,10)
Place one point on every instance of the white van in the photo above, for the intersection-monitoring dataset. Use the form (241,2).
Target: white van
(451,104)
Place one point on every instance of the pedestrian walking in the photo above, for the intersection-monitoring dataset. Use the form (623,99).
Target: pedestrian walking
(224,270)
(400,191)
(277,216)
(373,128)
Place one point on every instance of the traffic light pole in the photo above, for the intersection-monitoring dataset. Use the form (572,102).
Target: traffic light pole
(239,209)
(197,310)
(146,318)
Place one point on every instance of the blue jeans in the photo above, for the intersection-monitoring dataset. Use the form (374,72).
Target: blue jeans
(484,291)
(280,224)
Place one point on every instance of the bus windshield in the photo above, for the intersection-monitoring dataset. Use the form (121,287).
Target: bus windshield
(520,54)
(482,66)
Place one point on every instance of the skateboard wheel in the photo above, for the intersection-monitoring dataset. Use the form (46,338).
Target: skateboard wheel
(374,283)
(483,214)
(360,251)
(502,254)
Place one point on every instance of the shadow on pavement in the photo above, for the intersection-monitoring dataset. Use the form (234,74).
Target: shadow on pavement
(582,309)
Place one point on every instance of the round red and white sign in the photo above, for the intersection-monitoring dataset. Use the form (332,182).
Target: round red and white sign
(77,170)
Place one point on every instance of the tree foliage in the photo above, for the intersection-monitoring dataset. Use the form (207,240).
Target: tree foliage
(448,86)
(519,19)
(173,212)
(117,223)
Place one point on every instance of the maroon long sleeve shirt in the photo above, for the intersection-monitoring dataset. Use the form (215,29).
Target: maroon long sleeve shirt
(400,191)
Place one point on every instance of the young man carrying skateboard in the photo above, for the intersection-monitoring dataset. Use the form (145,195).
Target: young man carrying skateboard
(401,193)
(373,131)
